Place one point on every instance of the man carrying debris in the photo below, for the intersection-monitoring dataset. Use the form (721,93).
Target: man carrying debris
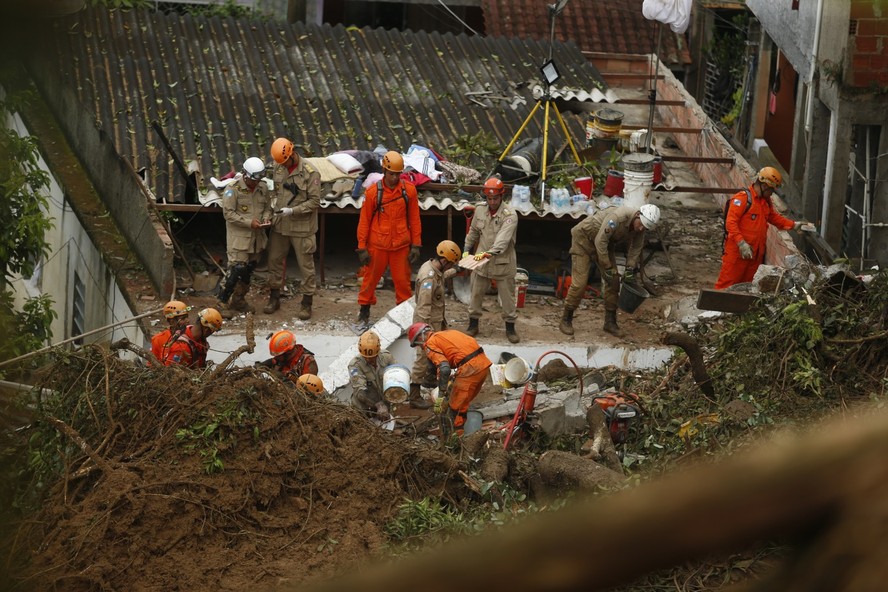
(452,351)
(297,197)
(365,374)
(493,231)
(176,314)
(429,294)
(247,210)
(746,228)
(593,241)
(289,358)
(389,234)
(190,348)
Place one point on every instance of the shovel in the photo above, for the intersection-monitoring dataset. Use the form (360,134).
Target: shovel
(462,288)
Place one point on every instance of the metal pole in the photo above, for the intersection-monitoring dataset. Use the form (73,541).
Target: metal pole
(653,95)
(76,337)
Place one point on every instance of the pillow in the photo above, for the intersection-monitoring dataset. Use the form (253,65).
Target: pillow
(346,163)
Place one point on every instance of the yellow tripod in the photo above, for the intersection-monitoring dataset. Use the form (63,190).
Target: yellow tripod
(550,104)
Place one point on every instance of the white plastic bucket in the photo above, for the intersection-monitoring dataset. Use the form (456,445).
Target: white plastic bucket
(395,383)
(637,187)
(473,422)
(517,371)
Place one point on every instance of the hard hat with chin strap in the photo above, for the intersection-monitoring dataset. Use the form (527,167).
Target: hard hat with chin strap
(368,344)
(281,342)
(649,214)
(175,308)
(771,177)
(449,250)
(415,330)
(210,318)
(310,383)
(494,186)
(393,161)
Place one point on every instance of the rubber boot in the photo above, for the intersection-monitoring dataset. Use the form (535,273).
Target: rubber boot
(510,332)
(225,309)
(364,315)
(274,301)
(305,309)
(610,323)
(472,329)
(415,398)
(567,318)
(239,300)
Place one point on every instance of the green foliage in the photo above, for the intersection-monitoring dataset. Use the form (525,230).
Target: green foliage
(425,519)
(121,3)
(472,150)
(27,329)
(218,428)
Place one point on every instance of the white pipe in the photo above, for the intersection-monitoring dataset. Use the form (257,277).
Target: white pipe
(828,176)
(809,108)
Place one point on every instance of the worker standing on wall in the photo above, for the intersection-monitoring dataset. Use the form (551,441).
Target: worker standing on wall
(493,230)
(389,234)
(296,199)
(746,228)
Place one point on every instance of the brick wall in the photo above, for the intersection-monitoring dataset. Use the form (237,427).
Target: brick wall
(868,48)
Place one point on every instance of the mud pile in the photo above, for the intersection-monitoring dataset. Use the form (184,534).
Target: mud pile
(162,478)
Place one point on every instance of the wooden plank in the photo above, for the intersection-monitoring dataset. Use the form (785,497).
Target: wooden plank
(692,159)
(723,301)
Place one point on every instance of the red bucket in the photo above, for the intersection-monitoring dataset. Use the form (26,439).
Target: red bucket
(584,185)
(658,169)
(520,295)
(613,186)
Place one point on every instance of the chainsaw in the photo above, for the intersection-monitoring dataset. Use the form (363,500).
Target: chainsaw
(620,409)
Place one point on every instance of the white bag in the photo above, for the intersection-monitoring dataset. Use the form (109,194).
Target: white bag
(346,163)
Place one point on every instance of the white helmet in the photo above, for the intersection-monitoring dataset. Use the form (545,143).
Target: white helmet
(254,168)
(649,214)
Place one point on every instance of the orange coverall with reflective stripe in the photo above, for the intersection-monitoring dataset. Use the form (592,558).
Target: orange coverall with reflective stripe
(187,350)
(453,346)
(387,232)
(751,226)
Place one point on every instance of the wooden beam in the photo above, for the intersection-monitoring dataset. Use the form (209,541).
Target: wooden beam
(698,159)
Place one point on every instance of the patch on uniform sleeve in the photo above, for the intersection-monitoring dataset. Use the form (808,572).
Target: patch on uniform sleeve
(427,285)
(736,202)
(353,371)
(431,273)
(612,224)
(229,192)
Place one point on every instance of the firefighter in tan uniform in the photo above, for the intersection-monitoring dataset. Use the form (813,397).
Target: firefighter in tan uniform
(365,374)
(493,231)
(297,197)
(247,211)
(429,295)
(593,241)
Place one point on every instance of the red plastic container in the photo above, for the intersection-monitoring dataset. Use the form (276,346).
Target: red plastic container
(658,169)
(585,186)
(613,186)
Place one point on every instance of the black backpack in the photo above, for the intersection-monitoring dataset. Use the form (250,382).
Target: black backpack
(725,214)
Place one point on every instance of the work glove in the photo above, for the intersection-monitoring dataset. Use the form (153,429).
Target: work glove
(466,254)
(413,256)
(610,274)
(745,250)
(480,256)
(285,212)
(630,276)
(291,187)
(363,256)
(440,404)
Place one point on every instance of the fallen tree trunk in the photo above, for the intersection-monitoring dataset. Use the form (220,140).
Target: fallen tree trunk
(495,466)
(566,471)
(784,489)
(698,368)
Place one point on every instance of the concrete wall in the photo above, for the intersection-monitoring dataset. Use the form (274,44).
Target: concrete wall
(791,30)
(120,189)
(71,252)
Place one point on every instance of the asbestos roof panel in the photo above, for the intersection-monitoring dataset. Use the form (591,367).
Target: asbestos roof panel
(612,26)
(223,89)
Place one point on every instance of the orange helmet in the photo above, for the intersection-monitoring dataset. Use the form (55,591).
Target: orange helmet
(770,177)
(175,308)
(210,318)
(449,250)
(281,342)
(393,161)
(494,186)
(281,150)
(310,383)
(415,330)
(368,344)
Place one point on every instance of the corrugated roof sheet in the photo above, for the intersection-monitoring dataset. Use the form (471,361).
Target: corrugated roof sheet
(611,26)
(223,89)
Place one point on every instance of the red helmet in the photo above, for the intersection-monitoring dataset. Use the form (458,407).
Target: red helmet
(494,186)
(415,330)
(281,342)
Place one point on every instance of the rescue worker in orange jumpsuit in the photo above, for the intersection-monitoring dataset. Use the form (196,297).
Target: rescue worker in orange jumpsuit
(176,313)
(289,358)
(190,348)
(453,351)
(389,234)
(746,225)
